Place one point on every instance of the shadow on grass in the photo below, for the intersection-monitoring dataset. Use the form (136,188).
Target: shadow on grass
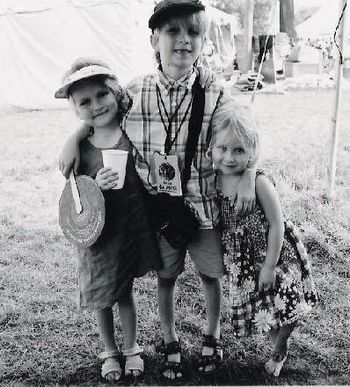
(237,374)
(226,375)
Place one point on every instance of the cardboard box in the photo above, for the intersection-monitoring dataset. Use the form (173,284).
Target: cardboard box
(293,69)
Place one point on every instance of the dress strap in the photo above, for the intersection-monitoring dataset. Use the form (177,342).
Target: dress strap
(263,172)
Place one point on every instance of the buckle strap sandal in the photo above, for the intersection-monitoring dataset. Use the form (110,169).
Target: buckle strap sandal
(215,358)
(176,367)
(134,364)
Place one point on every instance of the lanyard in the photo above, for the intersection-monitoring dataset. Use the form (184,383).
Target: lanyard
(168,143)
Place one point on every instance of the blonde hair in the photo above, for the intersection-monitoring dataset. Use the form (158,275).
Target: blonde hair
(111,83)
(197,20)
(237,119)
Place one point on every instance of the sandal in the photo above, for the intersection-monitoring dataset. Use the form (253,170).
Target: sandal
(274,367)
(171,349)
(215,358)
(110,365)
(134,365)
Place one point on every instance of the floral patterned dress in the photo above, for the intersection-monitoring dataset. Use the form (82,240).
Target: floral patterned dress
(244,240)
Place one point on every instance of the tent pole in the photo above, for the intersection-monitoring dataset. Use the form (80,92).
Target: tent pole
(248,34)
(334,119)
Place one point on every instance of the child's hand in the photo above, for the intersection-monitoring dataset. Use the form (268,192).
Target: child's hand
(267,278)
(246,199)
(106,178)
(244,202)
(206,77)
(69,157)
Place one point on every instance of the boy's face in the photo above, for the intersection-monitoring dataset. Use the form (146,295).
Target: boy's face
(179,45)
(95,104)
(229,154)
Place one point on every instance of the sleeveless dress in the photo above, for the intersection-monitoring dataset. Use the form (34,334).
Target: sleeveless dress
(244,241)
(127,247)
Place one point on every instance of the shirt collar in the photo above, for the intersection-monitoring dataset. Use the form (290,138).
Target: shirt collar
(185,81)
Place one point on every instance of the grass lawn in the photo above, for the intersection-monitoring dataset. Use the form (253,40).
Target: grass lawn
(45,340)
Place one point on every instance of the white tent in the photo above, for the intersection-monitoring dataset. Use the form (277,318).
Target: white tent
(322,22)
(39,39)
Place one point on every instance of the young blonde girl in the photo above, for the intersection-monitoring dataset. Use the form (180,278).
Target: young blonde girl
(270,279)
(127,247)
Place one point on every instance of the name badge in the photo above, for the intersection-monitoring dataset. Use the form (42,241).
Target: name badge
(167,174)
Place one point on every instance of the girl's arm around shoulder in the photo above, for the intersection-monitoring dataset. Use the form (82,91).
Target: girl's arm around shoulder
(136,85)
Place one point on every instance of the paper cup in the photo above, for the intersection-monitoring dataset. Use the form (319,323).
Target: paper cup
(116,159)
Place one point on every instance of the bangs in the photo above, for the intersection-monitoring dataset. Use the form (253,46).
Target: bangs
(229,131)
(233,119)
(197,21)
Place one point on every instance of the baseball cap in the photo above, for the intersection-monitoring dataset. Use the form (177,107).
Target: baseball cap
(165,7)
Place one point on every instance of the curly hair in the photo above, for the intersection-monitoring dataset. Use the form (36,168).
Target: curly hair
(111,82)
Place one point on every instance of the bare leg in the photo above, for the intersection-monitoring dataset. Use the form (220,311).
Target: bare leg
(105,325)
(280,350)
(273,335)
(212,294)
(166,306)
(281,344)
(128,318)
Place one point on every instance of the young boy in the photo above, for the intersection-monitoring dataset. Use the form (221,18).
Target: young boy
(158,120)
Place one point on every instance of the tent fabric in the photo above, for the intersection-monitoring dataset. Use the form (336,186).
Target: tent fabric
(322,22)
(39,39)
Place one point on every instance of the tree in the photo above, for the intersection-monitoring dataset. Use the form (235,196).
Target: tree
(262,16)
(229,6)
(262,11)
(287,19)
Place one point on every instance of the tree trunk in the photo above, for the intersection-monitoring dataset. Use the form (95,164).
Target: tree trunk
(287,23)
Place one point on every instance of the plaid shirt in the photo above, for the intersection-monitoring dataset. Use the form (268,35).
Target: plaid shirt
(145,128)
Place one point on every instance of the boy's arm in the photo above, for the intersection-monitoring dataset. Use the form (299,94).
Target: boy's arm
(246,198)
(270,204)
(69,157)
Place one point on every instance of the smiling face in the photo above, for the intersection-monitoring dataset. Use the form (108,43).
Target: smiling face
(229,154)
(179,43)
(95,104)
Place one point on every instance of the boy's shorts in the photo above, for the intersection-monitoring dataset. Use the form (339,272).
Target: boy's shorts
(204,249)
